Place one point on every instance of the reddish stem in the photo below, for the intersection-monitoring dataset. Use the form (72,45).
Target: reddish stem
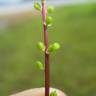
(47,69)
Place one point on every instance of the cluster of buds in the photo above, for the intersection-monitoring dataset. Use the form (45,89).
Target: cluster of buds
(41,46)
(49,21)
(50,9)
(52,48)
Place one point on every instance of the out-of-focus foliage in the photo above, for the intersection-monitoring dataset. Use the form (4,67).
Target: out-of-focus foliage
(73,68)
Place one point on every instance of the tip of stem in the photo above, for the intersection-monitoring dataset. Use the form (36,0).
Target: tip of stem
(43,0)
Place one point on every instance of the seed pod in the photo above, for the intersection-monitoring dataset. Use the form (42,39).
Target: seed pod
(39,65)
(41,46)
(37,6)
(49,20)
(50,9)
(54,47)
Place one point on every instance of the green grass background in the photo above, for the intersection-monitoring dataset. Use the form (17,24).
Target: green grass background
(73,67)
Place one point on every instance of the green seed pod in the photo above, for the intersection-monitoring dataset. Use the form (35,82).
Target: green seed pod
(37,6)
(41,46)
(54,93)
(39,65)
(49,20)
(54,47)
(50,9)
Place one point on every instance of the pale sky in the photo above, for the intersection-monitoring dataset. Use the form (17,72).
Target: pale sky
(9,1)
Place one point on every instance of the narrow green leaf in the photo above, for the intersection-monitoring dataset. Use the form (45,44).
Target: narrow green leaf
(54,93)
(39,65)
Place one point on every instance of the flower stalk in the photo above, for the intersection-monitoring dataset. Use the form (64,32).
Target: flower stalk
(47,22)
(47,67)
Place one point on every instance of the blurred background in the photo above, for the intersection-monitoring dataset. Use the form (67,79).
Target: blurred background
(73,68)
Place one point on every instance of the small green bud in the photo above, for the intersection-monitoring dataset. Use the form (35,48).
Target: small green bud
(37,6)
(53,47)
(54,93)
(39,65)
(56,46)
(41,46)
(50,9)
(49,20)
